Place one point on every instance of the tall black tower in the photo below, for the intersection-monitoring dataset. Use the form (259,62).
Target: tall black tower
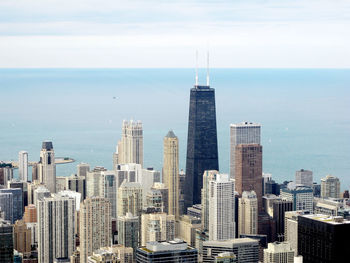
(202,146)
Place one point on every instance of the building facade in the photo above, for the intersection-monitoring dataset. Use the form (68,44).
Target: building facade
(302,197)
(47,166)
(279,253)
(330,187)
(248,214)
(304,177)
(23,166)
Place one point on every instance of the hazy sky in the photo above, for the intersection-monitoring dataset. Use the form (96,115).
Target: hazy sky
(150,33)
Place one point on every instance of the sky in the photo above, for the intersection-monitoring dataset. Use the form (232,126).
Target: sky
(166,34)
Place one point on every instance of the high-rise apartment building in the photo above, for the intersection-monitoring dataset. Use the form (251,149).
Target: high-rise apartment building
(157,227)
(278,253)
(208,176)
(248,170)
(202,148)
(95,225)
(242,133)
(30,214)
(129,231)
(129,199)
(164,191)
(23,165)
(56,231)
(130,147)
(304,177)
(186,229)
(221,208)
(302,197)
(39,194)
(76,183)
(22,237)
(171,172)
(93,181)
(330,187)
(6,241)
(47,166)
(248,213)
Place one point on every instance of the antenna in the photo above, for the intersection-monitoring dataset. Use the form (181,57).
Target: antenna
(196,67)
(207,68)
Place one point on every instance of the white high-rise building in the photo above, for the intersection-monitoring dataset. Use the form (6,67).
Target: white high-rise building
(23,166)
(93,181)
(248,213)
(130,199)
(130,147)
(221,208)
(278,253)
(301,196)
(242,133)
(47,166)
(304,177)
(56,228)
(330,187)
(208,176)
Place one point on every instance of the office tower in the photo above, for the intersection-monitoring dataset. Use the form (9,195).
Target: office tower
(157,227)
(117,253)
(279,253)
(23,166)
(6,241)
(171,171)
(182,179)
(323,238)
(174,251)
(208,176)
(330,187)
(47,166)
(56,232)
(202,148)
(129,199)
(164,191)
(221,208)
(82,169)
(39,194)
(129,231)
(76,183)
(302,197)
(95,225)
(317,189)
(248,170)
(93,181)
(304,177)
(291,229)
(271,187)
(186,229)
(23,186)
(17,202)
(130,147)
(30,215)
(6,206)
(266,177)
(245,249)
(242,133)
(22,237)
(108,189)
(279,209)
(6,173)
(248,213)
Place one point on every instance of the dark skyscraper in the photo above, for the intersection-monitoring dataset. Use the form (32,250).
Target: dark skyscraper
(202,147)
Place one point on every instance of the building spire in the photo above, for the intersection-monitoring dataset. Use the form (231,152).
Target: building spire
(196,67)
(208,68)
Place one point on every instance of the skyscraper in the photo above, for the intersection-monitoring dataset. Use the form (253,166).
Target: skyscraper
(171,172)
(202,148)
(303,177)
(23,165)
(248,213)
(242,133)
(95,225)
(47,166)
(129,231)
(129,199)
(330,187)
(6,241)
(207,177)
(130,147)
(248,170)
(17,202)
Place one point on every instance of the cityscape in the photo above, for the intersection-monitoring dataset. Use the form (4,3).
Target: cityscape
(196,131)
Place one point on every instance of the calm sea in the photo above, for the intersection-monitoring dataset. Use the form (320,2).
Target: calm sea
(305,114)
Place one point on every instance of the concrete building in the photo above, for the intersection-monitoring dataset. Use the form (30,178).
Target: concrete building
(154,200)
(245,249)
(291,229)
(23,166)
(304,177)
(22,237)
(56,230)
(82,169)
(208,176)
(93,181)
(330,187)
(129,231)
(30,214)
(242,133)
(174,251)
(171,172)
(6,241)
(130,199)
(39,194)
(76,183)
(17,203)
(95,226)
(279,253)
(221,208)
(130,147)
(47,166)
(248,213)
(31,188)
(186,229)
(164,191)
(248,170)
(157,227)
(6,173)
(6,206)
(302,197)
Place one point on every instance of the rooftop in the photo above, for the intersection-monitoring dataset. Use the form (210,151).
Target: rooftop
(333,220)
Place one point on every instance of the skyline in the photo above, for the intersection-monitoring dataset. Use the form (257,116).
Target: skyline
(160,34)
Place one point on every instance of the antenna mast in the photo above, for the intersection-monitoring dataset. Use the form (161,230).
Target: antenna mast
(207,68)
(196,67)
